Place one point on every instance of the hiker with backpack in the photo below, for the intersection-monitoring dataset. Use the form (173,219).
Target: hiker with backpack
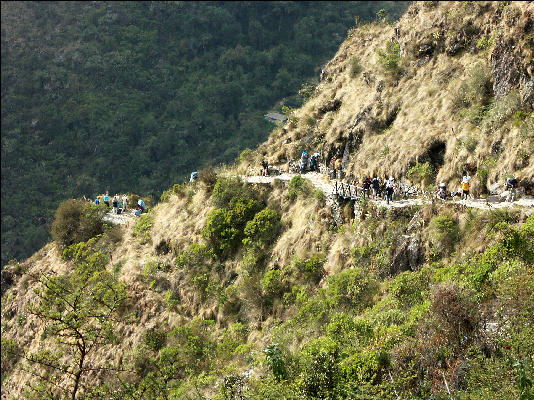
(441,193)
(141,205)
(194,177)
(124,202)
(313,162)
(375,185)
(265,168)
(115,203)
(466,184)
(106,199)
(366,186)
(511,187)
(390,187)
(303,164)
(97,200)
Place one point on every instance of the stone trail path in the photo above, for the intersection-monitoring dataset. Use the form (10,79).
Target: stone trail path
(321,181)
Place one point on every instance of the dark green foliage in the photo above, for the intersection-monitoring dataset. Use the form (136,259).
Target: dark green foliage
(143,228)
(227,189)
(351,289)
(11,353)
(77,221)
(263,229)
(148,93)
(444,233)
(299,186)
(311,269)
(154,339)
(389,58)
(275,361)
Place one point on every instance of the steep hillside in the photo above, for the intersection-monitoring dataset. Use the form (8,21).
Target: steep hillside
(450,85)
(135,95)
(229,290)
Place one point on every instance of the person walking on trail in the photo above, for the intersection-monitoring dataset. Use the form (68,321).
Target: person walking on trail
(124,202)
(441,193)
(466,184)
(375,185)
(366,186)
(511,187)
(303,164)
(313,162)
(141,204)
(97,200)
(338,165)
(265,168)
(194,177)
(390,188)
(106,199)
(115,203)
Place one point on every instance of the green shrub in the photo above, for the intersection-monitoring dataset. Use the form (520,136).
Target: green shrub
(307,90)
(263,229)
(227,189)
(275,361)
(194,257)
(311,268)
(389,58)
(299,185)
(319,196)
(409,288)
(355,67)
(421,172)
(10,354)
(172,299)
(444,232)
(351,289)
(143,228)
(245,155)
(363,255)
(77,221)
(154,339)
(272,284)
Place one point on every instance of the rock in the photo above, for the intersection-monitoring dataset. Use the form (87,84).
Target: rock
(426,48)
(407,254)
(454,44)
(495,188)
(526,92)
(332,105)
(495,198)
(505,67)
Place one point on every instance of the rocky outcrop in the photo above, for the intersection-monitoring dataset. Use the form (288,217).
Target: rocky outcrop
(505,67)
(407,254)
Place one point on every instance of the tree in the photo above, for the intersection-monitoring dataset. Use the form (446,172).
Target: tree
(80,312)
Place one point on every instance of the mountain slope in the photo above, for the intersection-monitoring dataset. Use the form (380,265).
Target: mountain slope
(239,291)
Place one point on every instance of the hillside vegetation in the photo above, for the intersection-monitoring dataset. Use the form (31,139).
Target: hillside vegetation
(133,96)
(228,290)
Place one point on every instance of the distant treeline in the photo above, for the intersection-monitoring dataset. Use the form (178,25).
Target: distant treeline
(133,96)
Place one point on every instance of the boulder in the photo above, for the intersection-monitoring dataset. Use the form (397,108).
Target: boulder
(505,67)
(407,254)
(495,188)
(494,198)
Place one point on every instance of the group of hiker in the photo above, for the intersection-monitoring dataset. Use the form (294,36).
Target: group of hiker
(313,162)
(463,191)
(119,204)
(378,188)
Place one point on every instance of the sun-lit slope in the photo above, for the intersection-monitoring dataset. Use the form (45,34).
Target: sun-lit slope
(382,122)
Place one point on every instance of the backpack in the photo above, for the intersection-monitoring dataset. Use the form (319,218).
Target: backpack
(512,182)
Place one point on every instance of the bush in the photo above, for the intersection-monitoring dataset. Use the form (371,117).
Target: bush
(208,177)
(154,339)
(246,155)
(227,189)
(355,67)
(319,196)
(475,92)
(194,257)
(389,58)
(444,232)
(311,268)
(272,284)
(421,172)
(351,289)
(275,361)
(299,185)
(143,227)
(263,229)
(76,221)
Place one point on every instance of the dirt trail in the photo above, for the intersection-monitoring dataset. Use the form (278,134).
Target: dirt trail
(320,181)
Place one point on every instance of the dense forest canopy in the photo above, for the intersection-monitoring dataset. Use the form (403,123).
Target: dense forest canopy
(133,96)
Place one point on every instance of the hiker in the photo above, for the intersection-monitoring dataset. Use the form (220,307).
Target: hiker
(106,199)
(441,193)
(390,187)
(124,202)
(115,203)
(511,187)
(141,204)
(366,185)
(375,185)
(97,200)
(303,164)
(138,210)
(313,162)
(337,166)
(466,184)
(265,168)
(194,177)
(119,206)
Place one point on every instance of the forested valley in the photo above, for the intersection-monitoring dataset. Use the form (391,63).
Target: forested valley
(133,96)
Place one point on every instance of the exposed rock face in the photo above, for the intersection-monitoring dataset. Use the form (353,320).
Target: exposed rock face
(407,254)
(330,106)
(506,68)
